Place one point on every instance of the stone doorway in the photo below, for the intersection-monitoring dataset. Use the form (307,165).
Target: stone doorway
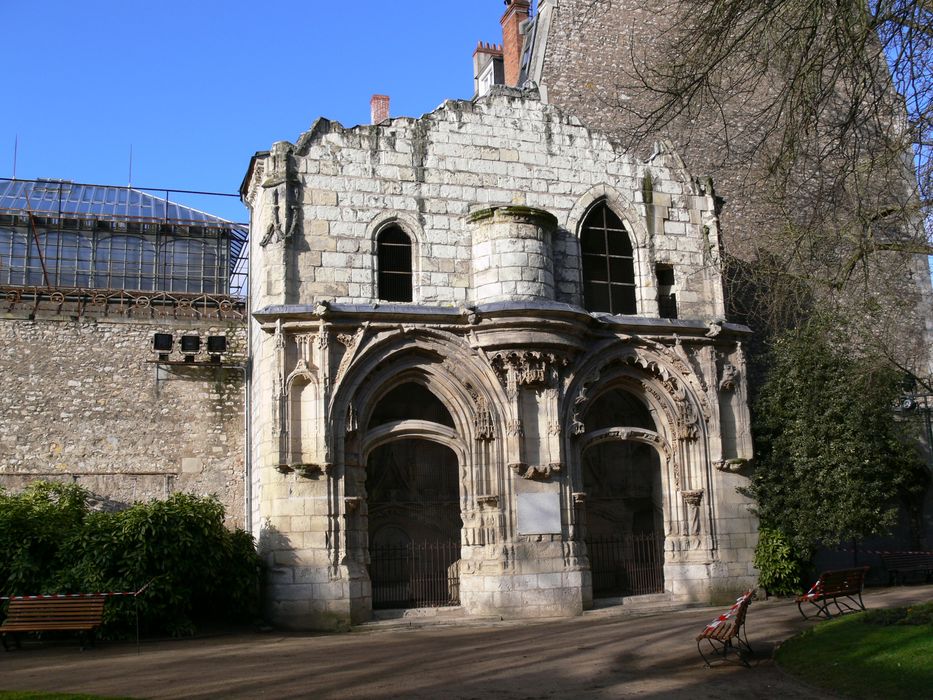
(413,499)
(414,525)
(624,522)
(624,502)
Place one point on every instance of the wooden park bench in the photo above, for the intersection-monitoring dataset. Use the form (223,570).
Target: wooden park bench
(842,588)
(726,634)
(901,564)
(81,614)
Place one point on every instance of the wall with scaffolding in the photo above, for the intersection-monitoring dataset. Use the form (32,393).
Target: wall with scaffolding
(90,277)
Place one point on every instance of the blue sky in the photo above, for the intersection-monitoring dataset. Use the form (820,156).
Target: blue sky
(196,87)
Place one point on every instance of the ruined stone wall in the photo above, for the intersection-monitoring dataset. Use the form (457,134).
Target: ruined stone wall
(80,402)
(318,205)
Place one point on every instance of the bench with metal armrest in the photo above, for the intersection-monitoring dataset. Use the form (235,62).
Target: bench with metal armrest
(841,588)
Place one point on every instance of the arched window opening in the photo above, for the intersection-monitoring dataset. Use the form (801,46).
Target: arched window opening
(410,401)
(608,263)
(618,408)
(393,258)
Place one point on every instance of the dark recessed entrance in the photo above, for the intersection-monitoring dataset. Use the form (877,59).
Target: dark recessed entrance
(624,516)
(413,498)
(414,525)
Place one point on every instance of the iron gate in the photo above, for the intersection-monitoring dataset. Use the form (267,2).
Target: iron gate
(415,575)
(624,565)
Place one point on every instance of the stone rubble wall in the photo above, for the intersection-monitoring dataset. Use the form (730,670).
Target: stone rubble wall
(80,403)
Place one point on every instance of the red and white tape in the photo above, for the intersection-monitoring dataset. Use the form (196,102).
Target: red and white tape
(49,596)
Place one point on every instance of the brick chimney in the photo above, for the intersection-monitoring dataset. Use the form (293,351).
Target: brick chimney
(379,108)
(516,12)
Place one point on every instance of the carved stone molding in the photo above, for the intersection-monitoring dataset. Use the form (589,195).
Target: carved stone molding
(352,420)
(309,471)
(518,368)
(351,343)
(730,376)
(483,423)
(535,471)
(732,466)
(352,504)
(579,497)
(488,501)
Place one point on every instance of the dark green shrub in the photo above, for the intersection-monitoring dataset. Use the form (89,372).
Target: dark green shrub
(198,572)
(32,525)
(833,462)
(780,567)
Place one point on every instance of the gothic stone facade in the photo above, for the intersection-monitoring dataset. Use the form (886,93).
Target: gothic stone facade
(495,361)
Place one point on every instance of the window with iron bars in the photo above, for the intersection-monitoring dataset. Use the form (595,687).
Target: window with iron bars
(608,263)
(393,259)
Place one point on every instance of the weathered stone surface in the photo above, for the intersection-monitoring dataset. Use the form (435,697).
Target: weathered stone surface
(81,402)
(492,199)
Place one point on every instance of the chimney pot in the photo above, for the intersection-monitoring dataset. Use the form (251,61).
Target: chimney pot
(379,108)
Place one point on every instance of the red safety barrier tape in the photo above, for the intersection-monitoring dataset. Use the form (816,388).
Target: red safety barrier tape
(880,551)
(109,594)
(728,614)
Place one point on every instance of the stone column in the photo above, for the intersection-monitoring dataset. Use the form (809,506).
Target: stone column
(512,258)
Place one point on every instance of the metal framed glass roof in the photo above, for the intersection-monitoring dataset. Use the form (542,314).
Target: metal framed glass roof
(64,199)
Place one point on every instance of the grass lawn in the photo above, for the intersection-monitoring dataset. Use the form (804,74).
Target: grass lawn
(878,654)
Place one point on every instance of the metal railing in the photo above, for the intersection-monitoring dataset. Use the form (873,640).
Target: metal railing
(625,565)
(415,575)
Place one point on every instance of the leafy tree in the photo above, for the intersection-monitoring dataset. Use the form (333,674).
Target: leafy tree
(833,460)
(817,119)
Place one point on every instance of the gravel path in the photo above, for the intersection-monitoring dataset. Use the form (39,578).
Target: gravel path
(609,653)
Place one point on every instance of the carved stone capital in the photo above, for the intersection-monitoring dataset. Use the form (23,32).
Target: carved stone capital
(517,368)
(352,504)
(693,498)
(488,501)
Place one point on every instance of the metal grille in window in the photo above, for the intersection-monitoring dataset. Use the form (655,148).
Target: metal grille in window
(393,255)
(608,263)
